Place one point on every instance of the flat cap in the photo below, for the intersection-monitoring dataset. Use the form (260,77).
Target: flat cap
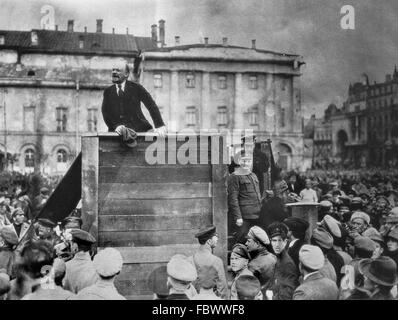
(393,216)
(326,204)
(277,229)
(356,200)
(258,234)
(81,235)
(9,236)
(331,225)
(46,223)
(296,224)
(364,244)
(241,250)
(71,219)
(322,238)
(180,268)
(247,287)
(311,257)
(108,262)
(157,281)
(206,233)
(362,215)
(393,234)
(16,211)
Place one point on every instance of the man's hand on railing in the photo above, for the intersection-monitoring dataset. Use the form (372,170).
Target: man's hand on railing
(161,131)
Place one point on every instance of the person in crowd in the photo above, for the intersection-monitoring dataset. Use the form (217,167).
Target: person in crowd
(157,283)
(4,284)
(392,245)
(359,224)
(239,260)
(39,201)
(378,239)
(248,288)
(21,228)
(308,194)
(206,283)
(325,207)
(181,273)
(285,277)
(380,211)
(296,235)
(262,262)
(80,271)
(324,241)
(4,221)
(63,248)
(244,198)
(204,259)
(380,276)
(8,241)
(314,286)
(391,222)
(108,264)
(45,231)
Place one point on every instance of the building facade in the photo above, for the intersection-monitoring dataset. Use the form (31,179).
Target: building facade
(51,86)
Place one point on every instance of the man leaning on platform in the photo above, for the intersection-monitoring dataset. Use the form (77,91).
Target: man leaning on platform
(121,105)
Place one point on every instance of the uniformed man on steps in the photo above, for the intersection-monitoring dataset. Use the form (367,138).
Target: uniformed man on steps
(204,259)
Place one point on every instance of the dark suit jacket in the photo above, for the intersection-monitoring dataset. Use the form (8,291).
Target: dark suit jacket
(127,110)
(293,251)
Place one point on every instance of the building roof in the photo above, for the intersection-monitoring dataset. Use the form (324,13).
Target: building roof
(68,42)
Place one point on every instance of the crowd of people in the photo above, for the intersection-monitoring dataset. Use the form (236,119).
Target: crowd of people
(351,253)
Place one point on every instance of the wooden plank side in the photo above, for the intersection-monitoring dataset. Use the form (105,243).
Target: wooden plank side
(90,185)
(142,238)
(158,174)
(155,206)
(154,190)
(162,253)
(149,222)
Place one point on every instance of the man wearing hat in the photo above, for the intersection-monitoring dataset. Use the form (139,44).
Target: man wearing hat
(181,273)
(262,262)
(206,284)
(380,276)
(285,277)
(326,207)
(45,231)
(204,259)
(4,284)
(157,283)
(4,221)
(314,286)
(391,222)
(80,271)
(324,240)
(108,264)
(392,245)
(39,201)
(359,223)
(380,211)
(296,235)
(21,228)
(247,287)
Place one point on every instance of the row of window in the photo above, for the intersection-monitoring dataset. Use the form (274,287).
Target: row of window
(61,118)
(382,90)
(30,157)
(380,103)
(221,81)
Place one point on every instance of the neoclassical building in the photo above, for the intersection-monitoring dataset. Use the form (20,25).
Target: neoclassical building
(51,85)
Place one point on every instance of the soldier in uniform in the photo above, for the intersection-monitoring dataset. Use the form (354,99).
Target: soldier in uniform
(80,271)
(262,262)
(204,259)
(108,264)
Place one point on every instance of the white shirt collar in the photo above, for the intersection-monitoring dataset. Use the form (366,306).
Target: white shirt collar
(123,85)
(292,243)
(309,274)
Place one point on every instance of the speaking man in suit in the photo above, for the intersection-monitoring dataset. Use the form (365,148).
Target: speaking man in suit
(121,105)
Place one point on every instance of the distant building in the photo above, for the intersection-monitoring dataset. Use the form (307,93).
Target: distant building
(364,131)
(51,85)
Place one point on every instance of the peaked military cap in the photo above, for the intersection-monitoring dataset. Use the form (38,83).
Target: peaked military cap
(81,235)
(277,229)
(46,223)
(241,250)
(206,233)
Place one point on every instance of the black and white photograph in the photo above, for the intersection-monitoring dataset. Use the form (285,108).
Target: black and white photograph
(219,150)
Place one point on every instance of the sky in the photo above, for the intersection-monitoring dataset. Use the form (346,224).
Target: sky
(311,28)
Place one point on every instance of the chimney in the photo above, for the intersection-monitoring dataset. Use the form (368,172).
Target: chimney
(388,77)
(177,39)
(254,44)
(224,41)
(34,40)
(113,30)
(206,41)
(56,27)
(154,32)
(161,32)
(127,30)
(99,25)
(70,25)
(85,29)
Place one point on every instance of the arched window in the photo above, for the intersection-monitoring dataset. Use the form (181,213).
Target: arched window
(30,158)
(61,156)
